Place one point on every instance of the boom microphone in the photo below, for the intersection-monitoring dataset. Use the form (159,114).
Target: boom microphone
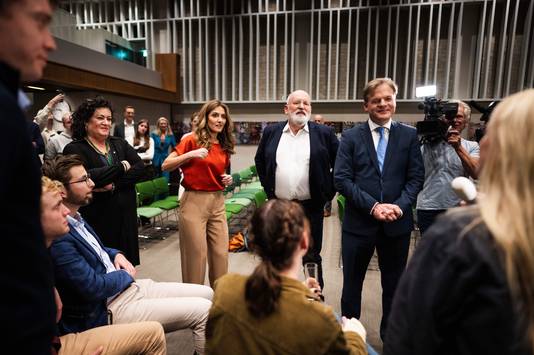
(464,189)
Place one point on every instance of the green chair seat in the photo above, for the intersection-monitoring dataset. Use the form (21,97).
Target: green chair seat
(234,208)
(239,201)
(229,215)
(149,212)
(246,175)
(172,198)
(255,185)
(165,205)
(258,196)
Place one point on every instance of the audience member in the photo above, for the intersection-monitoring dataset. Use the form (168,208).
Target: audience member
(468,288)
(28,307)
(203,158)
(143,144)
(294,160)
(136,338)
(163,141)
(51,116)
(194,124)
(97,283)
(58,141)
(444,161)
(115,167)
(48,131)
(270,310)
(126,128)
(380,171)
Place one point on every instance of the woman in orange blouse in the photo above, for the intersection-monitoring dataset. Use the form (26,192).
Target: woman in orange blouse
(204,157)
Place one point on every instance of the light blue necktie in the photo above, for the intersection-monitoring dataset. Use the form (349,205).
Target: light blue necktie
(381,148)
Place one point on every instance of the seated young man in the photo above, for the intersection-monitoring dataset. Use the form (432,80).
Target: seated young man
(97,284)
(135,338)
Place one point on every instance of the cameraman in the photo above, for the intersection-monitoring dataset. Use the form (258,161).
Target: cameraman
(445,160)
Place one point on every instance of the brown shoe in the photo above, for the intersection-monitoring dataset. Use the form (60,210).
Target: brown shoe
(327,213)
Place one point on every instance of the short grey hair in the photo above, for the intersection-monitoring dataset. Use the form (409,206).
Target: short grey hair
(467,109)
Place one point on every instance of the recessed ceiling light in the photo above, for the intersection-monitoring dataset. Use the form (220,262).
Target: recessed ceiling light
(35,87)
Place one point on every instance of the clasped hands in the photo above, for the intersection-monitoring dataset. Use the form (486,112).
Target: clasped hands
(387,212)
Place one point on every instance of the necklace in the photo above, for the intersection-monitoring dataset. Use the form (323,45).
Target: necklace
(105,154)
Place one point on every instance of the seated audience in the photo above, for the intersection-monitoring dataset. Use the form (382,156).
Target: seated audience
(271,312)
(97,283)
(144,146)
(57,142)
(469,287)
(135,338)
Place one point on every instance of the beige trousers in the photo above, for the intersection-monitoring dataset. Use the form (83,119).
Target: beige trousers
(203,236)
(144,338)
(175,305)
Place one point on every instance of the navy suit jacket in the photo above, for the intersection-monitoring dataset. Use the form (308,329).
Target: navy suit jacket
(357,177)
(119,130)
(323,149)
(82,281)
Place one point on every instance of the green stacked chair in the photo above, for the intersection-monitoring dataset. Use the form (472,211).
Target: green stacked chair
(246,176)
(253,170)
(150,213)
(148,192)
(257,195)
(162,199)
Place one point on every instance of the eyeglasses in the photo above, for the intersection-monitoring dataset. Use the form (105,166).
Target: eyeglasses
(85,179)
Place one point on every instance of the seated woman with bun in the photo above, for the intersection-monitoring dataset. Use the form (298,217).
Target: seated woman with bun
(270,311)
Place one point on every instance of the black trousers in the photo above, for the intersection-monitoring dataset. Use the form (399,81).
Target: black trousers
(356,251)
(314,213)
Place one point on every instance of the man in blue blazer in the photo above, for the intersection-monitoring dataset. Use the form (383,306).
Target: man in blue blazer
(97,284)
(380,171)
(295,161)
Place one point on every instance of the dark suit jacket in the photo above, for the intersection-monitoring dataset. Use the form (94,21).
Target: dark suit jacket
(358,178)
(82,281)
(28,309)
(323,149)
(119,130)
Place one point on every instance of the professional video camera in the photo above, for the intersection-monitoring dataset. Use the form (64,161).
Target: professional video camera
(439,116)
(486,114)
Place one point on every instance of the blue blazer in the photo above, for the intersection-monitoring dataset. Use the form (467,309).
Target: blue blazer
(323,149)
(357,177)
(82,281)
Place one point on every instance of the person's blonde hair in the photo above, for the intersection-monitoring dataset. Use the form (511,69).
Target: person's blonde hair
(49,185)
(507,205)
(373,84)
(226,138)
(168,132)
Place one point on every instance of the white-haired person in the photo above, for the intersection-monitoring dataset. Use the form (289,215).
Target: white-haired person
(469,287)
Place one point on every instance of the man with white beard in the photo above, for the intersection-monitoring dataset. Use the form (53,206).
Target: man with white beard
(295,161)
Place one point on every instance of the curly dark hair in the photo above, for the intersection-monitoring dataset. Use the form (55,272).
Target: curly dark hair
(276,230)
(84,112)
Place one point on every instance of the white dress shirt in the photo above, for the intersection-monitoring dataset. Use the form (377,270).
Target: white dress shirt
(293,165)
(376,136)
(129,130)
(79,225)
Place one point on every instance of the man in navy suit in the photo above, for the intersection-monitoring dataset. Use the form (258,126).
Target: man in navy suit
(126,128)
(97,284)
(295,161)
(380,171)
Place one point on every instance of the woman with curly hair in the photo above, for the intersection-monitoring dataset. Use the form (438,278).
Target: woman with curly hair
(272,311)
(204,157)
(115,167)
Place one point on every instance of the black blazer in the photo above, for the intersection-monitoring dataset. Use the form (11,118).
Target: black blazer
(323,149)
(357,177)
(119,130)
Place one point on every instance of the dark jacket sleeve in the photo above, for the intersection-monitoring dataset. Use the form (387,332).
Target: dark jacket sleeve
(259,159)
(72,267)
(333,146)
(136,165)
(415,176)
(344,174)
